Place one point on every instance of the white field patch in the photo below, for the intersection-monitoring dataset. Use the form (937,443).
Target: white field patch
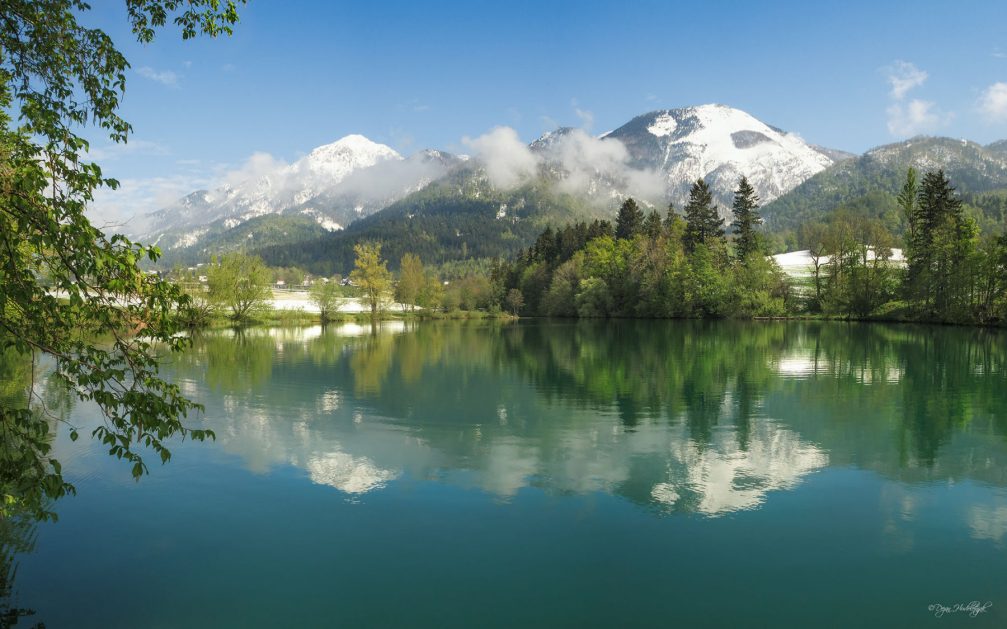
(299,300)
(800,264)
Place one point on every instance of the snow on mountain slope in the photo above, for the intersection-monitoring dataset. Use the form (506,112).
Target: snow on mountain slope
(334,184)
(720,144)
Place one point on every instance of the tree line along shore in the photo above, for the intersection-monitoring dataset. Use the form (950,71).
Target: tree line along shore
(679,265)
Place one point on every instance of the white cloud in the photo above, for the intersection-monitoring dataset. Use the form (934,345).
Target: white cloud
(111,152)
(582,159)
(165,77)
(258,165)
(586,118)
(585,158)
(508,160)
(904,76)
(915,117)
(121,210)
(993,102)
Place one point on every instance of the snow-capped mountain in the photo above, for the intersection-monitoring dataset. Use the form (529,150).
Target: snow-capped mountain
(334,185)
(720,144)
(566,174)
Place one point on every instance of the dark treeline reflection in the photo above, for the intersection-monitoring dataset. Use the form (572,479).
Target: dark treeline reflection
(17,536)
(51,402)
(684,415)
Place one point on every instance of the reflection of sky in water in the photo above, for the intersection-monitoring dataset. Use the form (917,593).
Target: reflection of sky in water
(989,521)
(585,463)
(725,478)
(803,364)
(327,409)
(325,431)
(717,478)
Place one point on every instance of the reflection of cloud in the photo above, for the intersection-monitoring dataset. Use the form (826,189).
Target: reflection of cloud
(353,475)
(988,522)
(721,477)
(508,466)
(664,493)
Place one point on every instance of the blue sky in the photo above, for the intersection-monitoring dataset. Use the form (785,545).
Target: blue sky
(297,74)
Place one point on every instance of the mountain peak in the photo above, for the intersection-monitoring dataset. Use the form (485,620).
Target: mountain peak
(336,160)
(550,138)
(720,144)
(354,144)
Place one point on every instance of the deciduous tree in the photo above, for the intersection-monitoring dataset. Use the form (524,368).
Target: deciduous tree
(66,283)
(371,275)
(412,277)
(240,283)
(325,296)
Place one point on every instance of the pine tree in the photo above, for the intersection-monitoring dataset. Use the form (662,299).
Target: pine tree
(630,220)
(942,238)
(671,217)
(703,223)
(746,218)
(907,201)
(652,225)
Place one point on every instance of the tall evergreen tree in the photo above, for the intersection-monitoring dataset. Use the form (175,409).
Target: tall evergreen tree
(671,216)
(652,225)
(942,240)
(630,220)
(907,201)
(746,218)
(703,223)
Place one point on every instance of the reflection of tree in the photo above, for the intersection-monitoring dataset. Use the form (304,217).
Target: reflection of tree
(647,369)
(933,380)
(370,363)
(52,403)
(33,401)
(238,364)
(704,416)
(17,535)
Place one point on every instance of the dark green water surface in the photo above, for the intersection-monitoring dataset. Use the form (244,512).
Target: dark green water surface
(540,474)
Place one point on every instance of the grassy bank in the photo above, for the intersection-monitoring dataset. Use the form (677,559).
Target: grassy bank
(270,318)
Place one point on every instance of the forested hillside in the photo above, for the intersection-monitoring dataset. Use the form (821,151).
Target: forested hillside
(456,218)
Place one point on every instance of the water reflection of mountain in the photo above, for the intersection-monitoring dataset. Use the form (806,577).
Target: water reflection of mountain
(684,416)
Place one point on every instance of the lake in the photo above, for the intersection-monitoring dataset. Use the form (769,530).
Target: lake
(541,474)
